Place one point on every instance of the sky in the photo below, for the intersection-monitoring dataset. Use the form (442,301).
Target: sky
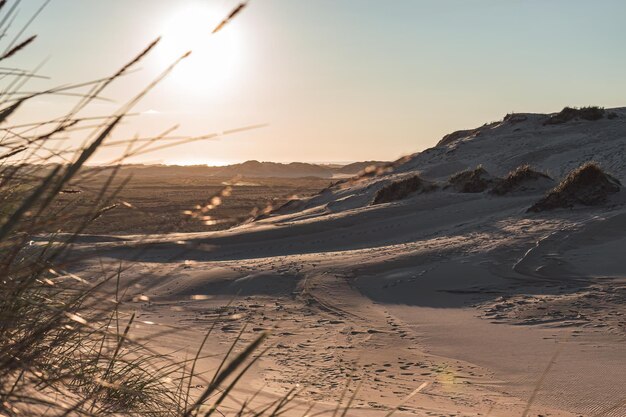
(330,80)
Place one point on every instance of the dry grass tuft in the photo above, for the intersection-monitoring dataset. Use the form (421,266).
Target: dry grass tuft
(518,180)
(590,113)
(474,180)
(401,189)
(514,118)
(587,185)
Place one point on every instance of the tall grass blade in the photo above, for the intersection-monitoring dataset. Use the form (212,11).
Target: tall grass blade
(228,371)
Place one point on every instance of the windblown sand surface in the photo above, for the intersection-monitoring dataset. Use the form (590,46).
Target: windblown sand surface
(488,304)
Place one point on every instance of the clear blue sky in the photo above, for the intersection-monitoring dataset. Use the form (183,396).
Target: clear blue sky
(336,80)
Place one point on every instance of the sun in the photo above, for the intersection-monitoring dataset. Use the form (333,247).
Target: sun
(216,58)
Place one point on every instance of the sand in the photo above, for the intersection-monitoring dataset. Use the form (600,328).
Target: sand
(500,312)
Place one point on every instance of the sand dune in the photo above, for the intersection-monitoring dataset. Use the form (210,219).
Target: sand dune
(465,291)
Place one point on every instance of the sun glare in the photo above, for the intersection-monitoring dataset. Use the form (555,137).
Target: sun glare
(215,59)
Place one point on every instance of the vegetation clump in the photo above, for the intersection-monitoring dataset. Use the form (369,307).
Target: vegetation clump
(474,180)
(518,180)
(401,189)
(591,113)
(587,185)
(514,118)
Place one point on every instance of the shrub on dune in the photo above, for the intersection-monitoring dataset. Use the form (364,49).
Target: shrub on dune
(401,189)
(474,180)
(590,113)
(520,179)
(514,118)
(587,185)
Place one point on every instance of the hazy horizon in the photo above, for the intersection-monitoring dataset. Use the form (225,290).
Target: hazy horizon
(321,163)
(332,81)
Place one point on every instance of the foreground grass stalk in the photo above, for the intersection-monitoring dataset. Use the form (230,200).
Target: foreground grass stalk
(62,351)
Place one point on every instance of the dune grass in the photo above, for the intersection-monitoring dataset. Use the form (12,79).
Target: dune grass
(516,179)
(587,185)
(401,189)
(590,113)
(474,180)
(66,342)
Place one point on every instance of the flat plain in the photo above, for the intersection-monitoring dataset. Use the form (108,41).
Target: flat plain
(157,200)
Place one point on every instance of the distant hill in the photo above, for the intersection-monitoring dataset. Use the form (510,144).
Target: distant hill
(273,169)
(255,169)
(356,167)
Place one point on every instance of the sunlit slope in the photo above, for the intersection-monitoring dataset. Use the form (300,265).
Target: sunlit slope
(499,147)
